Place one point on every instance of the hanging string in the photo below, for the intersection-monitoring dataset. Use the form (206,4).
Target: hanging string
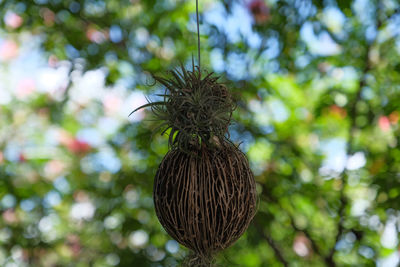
(198,31)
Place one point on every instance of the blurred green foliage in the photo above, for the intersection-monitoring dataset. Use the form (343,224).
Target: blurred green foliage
(318,117)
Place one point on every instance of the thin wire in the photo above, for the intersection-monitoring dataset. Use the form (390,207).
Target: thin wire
(198,31)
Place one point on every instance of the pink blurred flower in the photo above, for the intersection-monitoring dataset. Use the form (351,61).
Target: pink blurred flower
(64,137)
(112,103)
(8,50)
(13,20)
(81,196)
(95,35)
(302,246)
(25,88)
(73,241)
(54,168)
(384,123)
(10,216)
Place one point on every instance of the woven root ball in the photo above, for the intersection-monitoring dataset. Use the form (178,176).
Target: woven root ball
(206,199)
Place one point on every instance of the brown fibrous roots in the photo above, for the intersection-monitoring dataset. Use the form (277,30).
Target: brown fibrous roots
(206,199)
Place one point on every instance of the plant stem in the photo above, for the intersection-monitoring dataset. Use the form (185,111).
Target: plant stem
(198,31)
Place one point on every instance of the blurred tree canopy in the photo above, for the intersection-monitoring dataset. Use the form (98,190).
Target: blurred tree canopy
(318,117)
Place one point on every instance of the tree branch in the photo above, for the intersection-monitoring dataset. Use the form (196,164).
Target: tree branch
(314,243)
(271,243)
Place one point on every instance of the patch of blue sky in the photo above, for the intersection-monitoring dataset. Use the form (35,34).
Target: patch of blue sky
(305,9)
(321,44)
(356,161)
(237,67)
(273,48)
(12,151)
(389,240)
(346,244)
(236,25)
(278,110)
(334,151)
(28,204)
(62,185)
(140,37)
(87,86)
(365,11)
(346,77)
(389,237)
(95,8)
(28,61)
(334,19)
(244,138)
(8,201)
(302,61)
(92,136)
(217,60)
(262,113)
(134,100)
(71,51)
(115,34)
(108,126)
(165,4)
(392,29)
(108,161)
(267,112)
(398,45)
(390,261)
(51,199)
(104,160)
(50,80)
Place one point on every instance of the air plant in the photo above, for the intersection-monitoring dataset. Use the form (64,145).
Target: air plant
(204,191)
(196,110)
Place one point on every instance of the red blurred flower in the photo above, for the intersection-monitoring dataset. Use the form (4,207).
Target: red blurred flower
(73,144)
(259,10)
(21,157)
(48,16)
(73,241)
(341,112)
(78,147)
(384,123)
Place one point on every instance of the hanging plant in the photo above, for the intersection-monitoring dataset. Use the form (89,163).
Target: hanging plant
(204,191)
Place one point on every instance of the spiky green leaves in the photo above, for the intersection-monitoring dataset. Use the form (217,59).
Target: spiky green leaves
(197,110)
